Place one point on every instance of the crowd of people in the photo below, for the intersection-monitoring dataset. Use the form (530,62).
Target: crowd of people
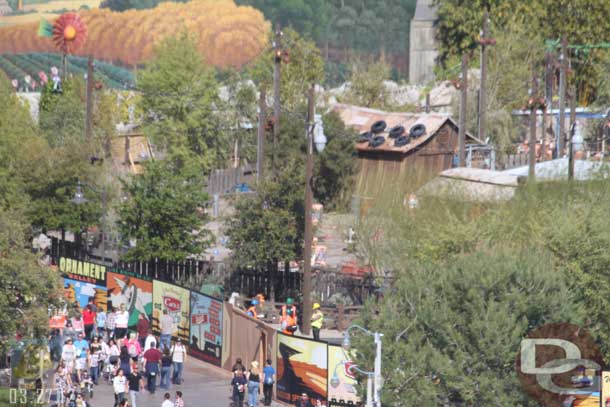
(94,348)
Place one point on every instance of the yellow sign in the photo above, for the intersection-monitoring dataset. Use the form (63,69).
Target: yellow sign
(83,269)
(605,389)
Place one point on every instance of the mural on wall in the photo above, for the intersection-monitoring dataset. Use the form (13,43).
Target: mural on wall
(77,294)
(301,368)
(135,293)
(206,328)
(227,35)
(176,301)
(343,387)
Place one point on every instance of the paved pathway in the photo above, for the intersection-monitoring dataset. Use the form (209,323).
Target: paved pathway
(203,386)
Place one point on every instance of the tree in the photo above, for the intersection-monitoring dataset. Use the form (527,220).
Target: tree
(62,115)
(366,84)
(464,320)
(163,213)
(179,93)
(27,289)
(335,166)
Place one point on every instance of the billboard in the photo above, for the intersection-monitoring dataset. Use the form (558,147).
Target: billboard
(206,328)
(301,368)
(605,389)
(135,293)
(175,300)
(83,271)
(343,388)
(77,293)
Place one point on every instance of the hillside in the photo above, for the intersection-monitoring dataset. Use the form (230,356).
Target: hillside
(17,66)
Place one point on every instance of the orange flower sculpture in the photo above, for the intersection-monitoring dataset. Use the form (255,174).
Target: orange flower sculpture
(69,33)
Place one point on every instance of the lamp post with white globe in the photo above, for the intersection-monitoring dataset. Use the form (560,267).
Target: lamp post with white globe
(373,389)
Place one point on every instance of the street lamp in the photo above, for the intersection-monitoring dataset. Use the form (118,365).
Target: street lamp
(376,374)
(79,199)
(315,135)
(335,381)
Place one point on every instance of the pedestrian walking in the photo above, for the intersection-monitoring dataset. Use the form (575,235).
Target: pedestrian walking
(111,323)
(149,341)
(119,385)
(167,402)
(94,363)
(238,365)
(122,321)
(167,328)
(78,324)
(89,321)
(100,320)
(254,379)
(136,383)
(152,357)
(68,355)
(178,401)
(178,353)
(269,379)
(303,401)
(239,383)
(125,360)
(142,328)
(317,319)
(166,367)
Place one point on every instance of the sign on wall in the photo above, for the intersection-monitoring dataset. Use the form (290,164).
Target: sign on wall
(135,293)
(301,368)
(83,271)
(343,387)
(206,328)
(176,301)
(77,294)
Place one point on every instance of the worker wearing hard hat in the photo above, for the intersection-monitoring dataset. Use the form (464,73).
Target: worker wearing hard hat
(289,306)
(289,322)
(317,319)
(252,310)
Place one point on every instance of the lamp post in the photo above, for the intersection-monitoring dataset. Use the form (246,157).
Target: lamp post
(335,381)
(315,136)
(79,199)
(375,387)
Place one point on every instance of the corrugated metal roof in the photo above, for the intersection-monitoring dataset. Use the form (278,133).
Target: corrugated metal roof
(361,119)
(558,169)
(481,175)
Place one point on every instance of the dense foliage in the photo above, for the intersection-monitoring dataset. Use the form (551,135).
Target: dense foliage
(162,215)
(471,279)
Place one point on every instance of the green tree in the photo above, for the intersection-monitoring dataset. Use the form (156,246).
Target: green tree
(62,115)
(163,213)
(179,92)
(27,289)
(367,87)
(335,166)
(464,320)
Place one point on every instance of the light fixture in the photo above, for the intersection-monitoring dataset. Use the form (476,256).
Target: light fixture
(334,381)
(319,139)
(347,343)
(79,197)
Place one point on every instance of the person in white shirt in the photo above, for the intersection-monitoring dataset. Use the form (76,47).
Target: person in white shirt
(167,329)
(178,358)
(150,341)
(167,402)
(121,319)
(119,385)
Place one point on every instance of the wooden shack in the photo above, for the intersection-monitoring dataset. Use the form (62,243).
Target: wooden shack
(406,168)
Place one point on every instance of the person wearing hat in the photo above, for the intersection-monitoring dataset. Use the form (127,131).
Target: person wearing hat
(317,319)
(252,310)
(289,306)
(289,322)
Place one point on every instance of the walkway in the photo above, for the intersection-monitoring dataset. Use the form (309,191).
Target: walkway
(203,386)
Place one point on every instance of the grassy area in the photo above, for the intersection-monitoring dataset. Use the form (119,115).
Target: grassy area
(4,396)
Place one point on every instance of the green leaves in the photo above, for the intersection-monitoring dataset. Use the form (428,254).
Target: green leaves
(179,94)
(163,213)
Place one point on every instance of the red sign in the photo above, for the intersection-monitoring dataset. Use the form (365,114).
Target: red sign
(349,372)
(199,319)
(172,304)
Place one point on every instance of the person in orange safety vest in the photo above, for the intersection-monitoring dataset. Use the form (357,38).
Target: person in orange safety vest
(289,306)
(289,323)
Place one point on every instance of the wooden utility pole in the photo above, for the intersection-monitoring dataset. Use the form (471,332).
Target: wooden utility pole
(308,223)
(562,97)
(260,151)
(277,64)
(532,141)
(463,101)
(482,89)
(89,102)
